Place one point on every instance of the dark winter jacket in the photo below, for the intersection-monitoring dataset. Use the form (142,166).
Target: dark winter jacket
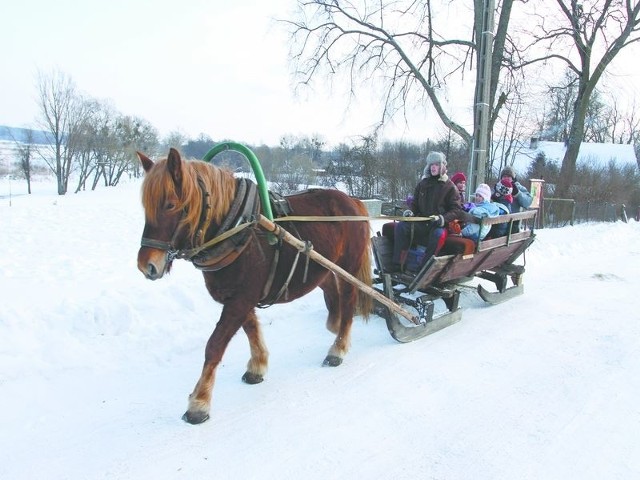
(437,196)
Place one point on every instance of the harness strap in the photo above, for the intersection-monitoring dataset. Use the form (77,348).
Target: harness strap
(272,274)
(169,246)
(320,218)
(236,206)
(205,213)
(192,252)
(214,254)
(349,218)
(285,286)
(159,244)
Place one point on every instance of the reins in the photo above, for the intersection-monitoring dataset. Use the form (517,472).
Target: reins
(349,218)
(205,219)
(188,254)
(192,252)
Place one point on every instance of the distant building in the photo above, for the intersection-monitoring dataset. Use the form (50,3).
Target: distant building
(521,154)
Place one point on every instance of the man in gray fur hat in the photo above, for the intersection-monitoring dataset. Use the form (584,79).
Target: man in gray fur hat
(436,197)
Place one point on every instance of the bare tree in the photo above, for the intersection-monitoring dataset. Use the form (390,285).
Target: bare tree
(405,46)
(128,134)
(559,109)
(512,127)
(25,150)
(399,169)
(62,114)
(174,139)
(365,153)
(91,138)
(586,35)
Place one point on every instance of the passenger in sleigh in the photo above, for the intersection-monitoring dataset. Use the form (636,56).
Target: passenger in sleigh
(522,199)
(513,195)
(460,181)
(436,197)
(504,199)
(483,207)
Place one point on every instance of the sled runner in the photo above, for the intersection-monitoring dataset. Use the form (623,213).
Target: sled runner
(441,277)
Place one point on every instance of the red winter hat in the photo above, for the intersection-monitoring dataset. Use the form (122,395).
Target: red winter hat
(458,177)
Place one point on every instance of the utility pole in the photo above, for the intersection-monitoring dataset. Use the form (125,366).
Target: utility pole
(480,148)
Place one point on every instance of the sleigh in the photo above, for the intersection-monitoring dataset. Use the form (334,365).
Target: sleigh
(441,278)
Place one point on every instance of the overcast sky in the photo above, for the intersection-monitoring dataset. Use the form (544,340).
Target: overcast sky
(217,67)
(203,66)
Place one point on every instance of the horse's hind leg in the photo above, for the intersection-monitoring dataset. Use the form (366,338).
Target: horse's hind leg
(332,301)
(257,365)
(340,299)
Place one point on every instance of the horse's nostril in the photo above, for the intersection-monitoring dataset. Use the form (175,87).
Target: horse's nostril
(151,271)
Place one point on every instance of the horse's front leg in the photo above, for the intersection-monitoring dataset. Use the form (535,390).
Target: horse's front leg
(257,365)
(233,316)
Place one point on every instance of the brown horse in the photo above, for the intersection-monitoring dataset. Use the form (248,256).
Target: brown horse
(189,205)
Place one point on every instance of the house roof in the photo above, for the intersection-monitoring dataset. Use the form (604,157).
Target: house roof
(596,154)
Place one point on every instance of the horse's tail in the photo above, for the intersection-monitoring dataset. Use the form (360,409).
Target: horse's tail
(364,301)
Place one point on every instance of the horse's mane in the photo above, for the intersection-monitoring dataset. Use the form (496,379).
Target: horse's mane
(158,188)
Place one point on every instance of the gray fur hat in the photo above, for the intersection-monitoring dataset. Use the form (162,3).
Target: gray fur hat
(435,158)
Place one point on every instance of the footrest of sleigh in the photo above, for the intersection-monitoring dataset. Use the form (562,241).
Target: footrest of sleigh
(494,298)
(408,333)
(404,331)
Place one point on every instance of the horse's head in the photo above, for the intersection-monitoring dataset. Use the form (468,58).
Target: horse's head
(184,201)
(163,200)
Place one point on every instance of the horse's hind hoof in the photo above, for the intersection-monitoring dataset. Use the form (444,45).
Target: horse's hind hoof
(252,378)
(331,361)
(194,418)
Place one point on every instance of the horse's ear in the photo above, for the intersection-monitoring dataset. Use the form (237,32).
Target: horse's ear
(147,163)
(174,164)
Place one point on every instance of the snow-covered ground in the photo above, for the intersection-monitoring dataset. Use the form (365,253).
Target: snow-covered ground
(96,364)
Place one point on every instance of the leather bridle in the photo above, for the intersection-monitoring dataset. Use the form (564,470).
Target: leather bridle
(172,251)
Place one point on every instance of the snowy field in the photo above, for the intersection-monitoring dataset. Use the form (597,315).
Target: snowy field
(96,364)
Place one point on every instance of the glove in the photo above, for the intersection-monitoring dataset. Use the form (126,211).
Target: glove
(407,213)
(516,189)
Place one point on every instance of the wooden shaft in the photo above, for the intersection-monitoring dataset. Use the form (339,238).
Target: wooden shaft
(368,289)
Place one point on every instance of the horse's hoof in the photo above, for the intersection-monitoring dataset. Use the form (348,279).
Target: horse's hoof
(331,361)
(194,418)
(252,378)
